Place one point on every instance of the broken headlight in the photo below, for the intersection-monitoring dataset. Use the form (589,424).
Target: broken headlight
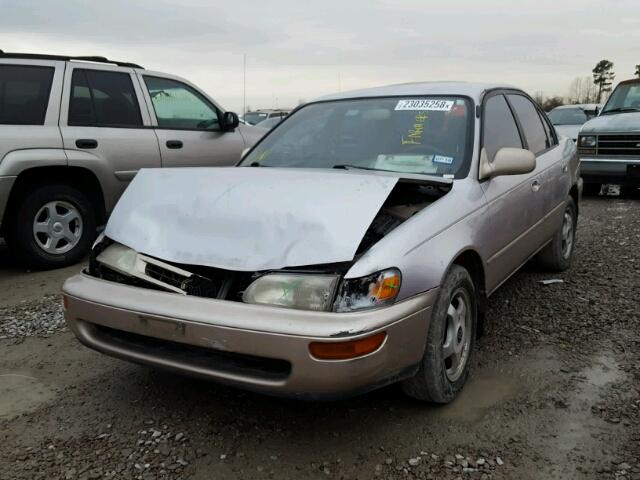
(371,291)
(294,290)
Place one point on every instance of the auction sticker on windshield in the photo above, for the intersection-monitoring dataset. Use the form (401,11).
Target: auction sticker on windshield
(425,105)
(406,163)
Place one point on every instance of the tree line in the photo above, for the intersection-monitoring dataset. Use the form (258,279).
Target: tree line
(588,89)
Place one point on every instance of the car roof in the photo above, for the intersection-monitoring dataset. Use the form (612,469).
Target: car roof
(474,90)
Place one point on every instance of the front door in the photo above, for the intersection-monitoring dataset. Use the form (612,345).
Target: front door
(188,125)
(512,200)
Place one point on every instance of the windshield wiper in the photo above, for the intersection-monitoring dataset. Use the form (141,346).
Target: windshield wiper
(346,166)
(620,110)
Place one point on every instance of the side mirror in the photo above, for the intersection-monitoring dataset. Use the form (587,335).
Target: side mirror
(230,121)
(507,161)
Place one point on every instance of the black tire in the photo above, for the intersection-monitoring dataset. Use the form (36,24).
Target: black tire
(22,239)
(554,257)
(432,382)
(591,189)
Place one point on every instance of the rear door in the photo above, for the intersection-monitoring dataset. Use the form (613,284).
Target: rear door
(103,127)
(539,138)
(512,200)
(187,124)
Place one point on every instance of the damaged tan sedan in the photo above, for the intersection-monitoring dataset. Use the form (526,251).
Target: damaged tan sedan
(354,246)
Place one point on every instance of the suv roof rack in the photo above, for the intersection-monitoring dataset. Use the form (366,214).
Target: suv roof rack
(38,56)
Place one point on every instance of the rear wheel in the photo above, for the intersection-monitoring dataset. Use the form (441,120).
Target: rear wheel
(445,365)
(53,227)
(557,255)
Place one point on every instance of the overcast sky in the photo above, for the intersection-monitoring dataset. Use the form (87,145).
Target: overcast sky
(300,49)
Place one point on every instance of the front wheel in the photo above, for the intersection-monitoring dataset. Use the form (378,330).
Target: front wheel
(445,365)
(53,227)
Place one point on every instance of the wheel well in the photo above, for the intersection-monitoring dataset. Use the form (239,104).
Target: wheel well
(76,177)
(471,261)
(573,193)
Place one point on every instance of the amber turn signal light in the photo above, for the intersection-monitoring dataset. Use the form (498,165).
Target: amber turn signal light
(346,350)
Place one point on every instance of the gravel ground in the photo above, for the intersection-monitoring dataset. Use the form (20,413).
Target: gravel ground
(554,393)
(26,319)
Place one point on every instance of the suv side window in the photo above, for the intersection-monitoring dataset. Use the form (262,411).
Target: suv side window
(180,107)
(24,94)
(499,127)
(105,99)
(530,121)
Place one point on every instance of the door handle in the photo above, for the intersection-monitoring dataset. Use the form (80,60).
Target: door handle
(86,143)
(173,144)
(535,185)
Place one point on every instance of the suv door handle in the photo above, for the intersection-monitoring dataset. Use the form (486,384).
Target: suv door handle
(86,143)
(535,185)
(174,144)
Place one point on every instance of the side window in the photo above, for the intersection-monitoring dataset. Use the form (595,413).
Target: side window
(179,106)
(24,94)
(499,127)
(101,98)
(530,121)
(551,137)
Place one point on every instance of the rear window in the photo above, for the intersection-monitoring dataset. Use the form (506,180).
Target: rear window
(100,98)
(24,94)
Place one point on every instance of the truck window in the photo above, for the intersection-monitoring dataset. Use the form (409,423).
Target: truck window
(24,94)
(103,99)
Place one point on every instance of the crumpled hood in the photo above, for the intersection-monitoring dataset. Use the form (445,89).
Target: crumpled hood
(248,219)
(615,122)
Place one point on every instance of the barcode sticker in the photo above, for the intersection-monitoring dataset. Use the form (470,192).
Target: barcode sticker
(425,105)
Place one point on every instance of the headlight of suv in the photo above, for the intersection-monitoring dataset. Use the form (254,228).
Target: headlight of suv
(588,141)
(293,290)
(371,291)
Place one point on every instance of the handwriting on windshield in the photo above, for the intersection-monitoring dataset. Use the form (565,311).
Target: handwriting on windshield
(414,135)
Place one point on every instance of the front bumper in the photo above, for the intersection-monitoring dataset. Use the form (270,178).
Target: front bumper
(620,171)
(255,347)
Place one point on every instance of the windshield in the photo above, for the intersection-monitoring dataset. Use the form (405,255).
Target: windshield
(569,116)
(625,97)
(254,118)
(428,135)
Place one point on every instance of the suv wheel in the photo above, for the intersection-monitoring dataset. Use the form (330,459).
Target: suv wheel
(53,227)
(445,365)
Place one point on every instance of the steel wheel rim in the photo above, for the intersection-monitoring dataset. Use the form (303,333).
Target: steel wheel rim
(57,227)
(567,234)
(457,338)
